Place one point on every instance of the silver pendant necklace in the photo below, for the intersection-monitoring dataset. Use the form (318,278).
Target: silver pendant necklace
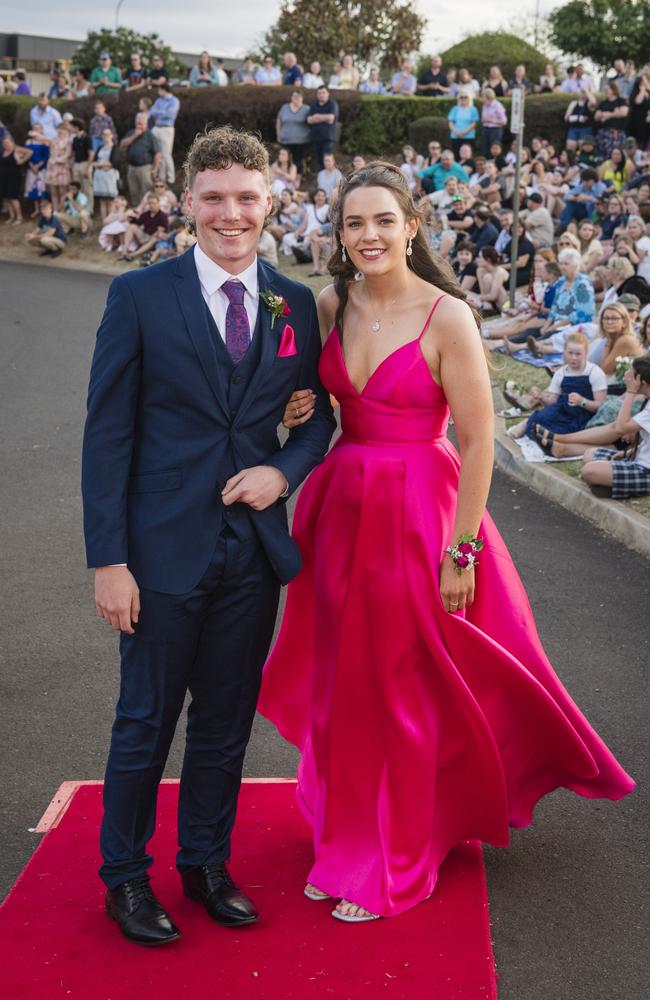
(375,327)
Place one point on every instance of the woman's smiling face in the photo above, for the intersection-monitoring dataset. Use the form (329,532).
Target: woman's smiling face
(375,231)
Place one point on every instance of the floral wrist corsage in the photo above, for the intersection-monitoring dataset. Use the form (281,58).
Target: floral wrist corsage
(464,552)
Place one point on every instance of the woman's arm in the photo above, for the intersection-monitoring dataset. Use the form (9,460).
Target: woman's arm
(452,346)
(626,346)
(624,423)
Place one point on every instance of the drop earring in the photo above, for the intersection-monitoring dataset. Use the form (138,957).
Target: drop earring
(409,249)
(344,256)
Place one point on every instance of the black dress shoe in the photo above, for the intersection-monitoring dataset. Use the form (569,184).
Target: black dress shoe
(213,886)
(141,917)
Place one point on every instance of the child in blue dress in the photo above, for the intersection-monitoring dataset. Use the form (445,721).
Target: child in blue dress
(577,390)
(35,189)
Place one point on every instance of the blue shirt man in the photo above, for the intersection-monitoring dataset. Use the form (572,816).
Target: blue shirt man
(437,174)
(292,71)
(46,116)
(164,110)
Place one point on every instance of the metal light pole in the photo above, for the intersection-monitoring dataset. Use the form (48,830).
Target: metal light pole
(117,13)
(517,128)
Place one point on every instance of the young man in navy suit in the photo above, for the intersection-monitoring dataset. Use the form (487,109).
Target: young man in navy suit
(184,486)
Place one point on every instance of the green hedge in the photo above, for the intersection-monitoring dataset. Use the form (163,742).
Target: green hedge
(479,52)
(376,126)
(544,116)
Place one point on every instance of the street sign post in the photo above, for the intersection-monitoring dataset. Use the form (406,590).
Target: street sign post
(517,128)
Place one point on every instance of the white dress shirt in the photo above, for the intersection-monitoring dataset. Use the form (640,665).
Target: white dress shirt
(212,277)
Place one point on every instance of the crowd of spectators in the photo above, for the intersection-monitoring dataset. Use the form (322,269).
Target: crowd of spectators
(582,268)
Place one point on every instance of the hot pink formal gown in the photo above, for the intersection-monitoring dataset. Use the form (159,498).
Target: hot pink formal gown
(417,728)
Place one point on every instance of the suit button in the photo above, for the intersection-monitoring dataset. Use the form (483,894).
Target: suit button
(233,431)
(233,413)
(237,379)
(227,512)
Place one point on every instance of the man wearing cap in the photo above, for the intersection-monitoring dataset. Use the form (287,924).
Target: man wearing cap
(538,221)
(632,305)
(105,78)
(587,151)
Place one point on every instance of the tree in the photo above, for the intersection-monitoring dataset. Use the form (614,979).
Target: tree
(121,43)
(381,33)
(479,52)
(603,30)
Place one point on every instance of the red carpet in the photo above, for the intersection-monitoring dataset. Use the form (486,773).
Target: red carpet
(58,942)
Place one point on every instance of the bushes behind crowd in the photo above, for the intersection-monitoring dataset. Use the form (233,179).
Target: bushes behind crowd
(375,124)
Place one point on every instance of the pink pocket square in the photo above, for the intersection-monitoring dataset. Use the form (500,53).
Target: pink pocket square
(287,346)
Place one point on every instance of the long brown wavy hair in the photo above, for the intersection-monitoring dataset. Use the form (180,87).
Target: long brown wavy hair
(427,265)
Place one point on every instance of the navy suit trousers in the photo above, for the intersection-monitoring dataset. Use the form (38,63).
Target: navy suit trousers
(213,643)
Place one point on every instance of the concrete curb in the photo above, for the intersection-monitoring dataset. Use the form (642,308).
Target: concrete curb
(628,527)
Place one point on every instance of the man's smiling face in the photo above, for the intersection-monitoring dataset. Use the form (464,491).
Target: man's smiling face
(229,208)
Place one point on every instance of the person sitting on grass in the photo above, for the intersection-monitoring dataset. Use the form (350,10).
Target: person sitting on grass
(441,238)
(464,266)
(315,216)
(168,200)
(116,223)
(320,243)
(541,295)
(75,210)
(144,232)
(170,243)
(624,474)
(576,391)
(287,218)
(615,338)
(49,233)
(492,279)
(574,306)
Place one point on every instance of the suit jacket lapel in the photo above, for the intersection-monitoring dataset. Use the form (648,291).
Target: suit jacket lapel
(270,339)
(192,303)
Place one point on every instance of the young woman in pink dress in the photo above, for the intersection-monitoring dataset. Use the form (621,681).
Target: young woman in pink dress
(408,671)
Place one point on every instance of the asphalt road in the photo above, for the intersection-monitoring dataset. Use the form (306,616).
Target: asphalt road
(568,900)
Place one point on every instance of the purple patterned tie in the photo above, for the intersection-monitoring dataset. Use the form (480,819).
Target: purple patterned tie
(238,331)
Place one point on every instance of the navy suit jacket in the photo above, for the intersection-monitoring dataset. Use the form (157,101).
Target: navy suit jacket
(159,432)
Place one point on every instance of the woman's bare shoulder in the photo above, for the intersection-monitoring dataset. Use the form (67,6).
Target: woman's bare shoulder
(327,304)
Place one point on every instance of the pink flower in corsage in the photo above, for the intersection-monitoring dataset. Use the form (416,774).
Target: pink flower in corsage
(464,552)
(276,305)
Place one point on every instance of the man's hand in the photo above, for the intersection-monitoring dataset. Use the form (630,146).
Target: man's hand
(117,598)
(259,487)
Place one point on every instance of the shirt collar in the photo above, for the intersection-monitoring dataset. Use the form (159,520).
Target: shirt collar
(212,276)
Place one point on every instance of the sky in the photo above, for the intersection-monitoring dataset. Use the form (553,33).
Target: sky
(230,29)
